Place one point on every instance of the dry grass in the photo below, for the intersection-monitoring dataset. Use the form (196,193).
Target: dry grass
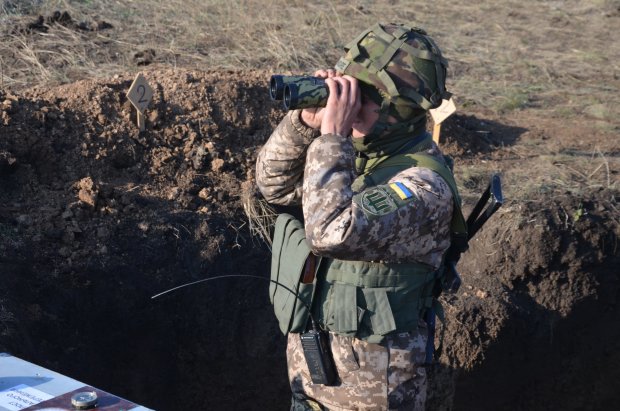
(505,55)
(541,178)
(559,174)
(261,215)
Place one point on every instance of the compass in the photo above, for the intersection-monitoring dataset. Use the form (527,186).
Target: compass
(84,400)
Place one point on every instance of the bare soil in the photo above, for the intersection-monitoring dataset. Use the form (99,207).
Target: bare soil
(96,217)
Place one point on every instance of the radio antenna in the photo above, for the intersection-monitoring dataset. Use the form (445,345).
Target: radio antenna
(218,277)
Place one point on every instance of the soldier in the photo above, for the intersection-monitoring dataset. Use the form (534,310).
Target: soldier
(382,231)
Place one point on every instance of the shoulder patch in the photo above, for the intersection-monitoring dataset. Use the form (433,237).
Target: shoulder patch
(377,201)
(402,191)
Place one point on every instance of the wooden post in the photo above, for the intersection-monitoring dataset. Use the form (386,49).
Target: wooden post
(436,132)
(439,114)
(140,120)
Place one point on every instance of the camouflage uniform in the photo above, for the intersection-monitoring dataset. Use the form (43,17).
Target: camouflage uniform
(372,376)
(402,70)
(295,166)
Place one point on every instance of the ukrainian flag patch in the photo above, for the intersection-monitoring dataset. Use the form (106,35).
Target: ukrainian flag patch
(403,192)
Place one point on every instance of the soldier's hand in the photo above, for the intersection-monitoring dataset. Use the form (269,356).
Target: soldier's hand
(312,116)
(343,105)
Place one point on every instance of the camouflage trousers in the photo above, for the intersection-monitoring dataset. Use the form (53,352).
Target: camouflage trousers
(386,376)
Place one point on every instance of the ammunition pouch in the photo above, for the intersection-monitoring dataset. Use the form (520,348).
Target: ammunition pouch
(290,297)
(369,300)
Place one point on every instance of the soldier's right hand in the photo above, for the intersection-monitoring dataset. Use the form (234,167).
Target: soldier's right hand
(312,117)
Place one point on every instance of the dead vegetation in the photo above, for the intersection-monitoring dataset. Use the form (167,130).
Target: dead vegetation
(554,57)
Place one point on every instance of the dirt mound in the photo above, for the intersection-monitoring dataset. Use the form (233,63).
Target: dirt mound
(540,301)
(467,135)
(96,217)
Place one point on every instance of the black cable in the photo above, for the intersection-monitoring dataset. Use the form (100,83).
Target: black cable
(314,324)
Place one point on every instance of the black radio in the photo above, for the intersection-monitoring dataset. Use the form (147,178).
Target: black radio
(315,344)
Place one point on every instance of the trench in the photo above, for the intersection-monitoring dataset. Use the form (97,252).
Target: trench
(96,218)
(211,346)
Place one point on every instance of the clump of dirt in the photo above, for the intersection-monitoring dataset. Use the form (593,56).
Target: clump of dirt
(97,217)
(63,18)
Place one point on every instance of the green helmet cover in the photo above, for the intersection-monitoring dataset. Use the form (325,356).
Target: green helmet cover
(401,69)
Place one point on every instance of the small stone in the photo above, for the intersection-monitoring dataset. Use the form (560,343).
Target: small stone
(9,106)
(481,294)
(204,194)
(64,251)
(173,193)
(88,192)
(87,197)
(217,164)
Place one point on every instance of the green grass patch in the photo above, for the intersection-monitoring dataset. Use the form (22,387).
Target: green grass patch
(512,100)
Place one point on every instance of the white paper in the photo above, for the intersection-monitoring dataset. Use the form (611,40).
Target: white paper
(20,397)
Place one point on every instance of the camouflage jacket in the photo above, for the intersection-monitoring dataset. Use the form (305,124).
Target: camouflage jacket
(412,223)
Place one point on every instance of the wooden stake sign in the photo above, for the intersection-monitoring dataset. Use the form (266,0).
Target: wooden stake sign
(441,113)
(140,94)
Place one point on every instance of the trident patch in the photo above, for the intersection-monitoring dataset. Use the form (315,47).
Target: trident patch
(377,201)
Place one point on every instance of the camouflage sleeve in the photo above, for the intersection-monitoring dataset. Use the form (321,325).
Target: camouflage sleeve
(280,163)
(406,219)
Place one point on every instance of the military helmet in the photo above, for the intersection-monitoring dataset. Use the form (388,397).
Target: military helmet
(398,66)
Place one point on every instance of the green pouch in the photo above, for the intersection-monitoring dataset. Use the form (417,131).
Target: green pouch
(289,296)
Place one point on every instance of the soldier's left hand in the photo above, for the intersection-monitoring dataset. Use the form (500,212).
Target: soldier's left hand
(343,105)
(313,116)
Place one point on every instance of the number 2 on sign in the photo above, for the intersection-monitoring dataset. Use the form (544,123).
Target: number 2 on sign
(141,91)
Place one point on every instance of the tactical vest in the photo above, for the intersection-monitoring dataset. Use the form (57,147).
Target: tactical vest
(364,299)
(371,299)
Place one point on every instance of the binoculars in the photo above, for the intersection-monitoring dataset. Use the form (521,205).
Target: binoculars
(298,91)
